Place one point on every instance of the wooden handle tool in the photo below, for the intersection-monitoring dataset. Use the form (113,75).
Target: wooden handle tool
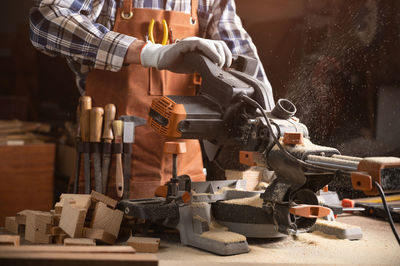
(118,127)
(85,106)
(96,122)
(108,136)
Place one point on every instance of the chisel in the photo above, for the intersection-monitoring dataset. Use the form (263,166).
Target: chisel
(109,116)
(85,134)
(96,122)
(78,148)
(118,126)
(130,122)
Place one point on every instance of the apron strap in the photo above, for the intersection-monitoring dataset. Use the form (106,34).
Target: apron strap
(127,9)
(193,13)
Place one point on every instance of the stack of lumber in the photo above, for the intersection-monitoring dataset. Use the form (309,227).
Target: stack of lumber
(15,132)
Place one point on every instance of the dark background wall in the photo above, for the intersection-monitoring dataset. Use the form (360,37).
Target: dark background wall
(337,60)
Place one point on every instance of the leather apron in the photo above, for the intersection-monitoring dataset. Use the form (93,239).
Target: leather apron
(132,90)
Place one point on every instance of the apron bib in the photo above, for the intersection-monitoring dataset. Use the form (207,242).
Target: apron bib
(132,90)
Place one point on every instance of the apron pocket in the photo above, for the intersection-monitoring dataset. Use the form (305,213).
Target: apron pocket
(157,82)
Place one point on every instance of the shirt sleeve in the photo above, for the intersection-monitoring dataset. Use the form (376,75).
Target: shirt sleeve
(67,28)
(226,25)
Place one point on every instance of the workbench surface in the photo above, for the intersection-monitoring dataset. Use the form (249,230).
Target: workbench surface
(378,246)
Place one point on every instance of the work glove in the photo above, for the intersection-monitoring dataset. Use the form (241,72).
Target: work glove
(170,57)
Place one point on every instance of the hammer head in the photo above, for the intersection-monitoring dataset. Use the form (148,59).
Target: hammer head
(130,122)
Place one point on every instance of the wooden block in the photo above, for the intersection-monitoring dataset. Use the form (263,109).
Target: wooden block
(144,244)
(58,208)
(56,230)
(11,225)
(37,229)
(72,220)
(99,234)
(56,219)
(107,219)
(9,240)
(96,197)
(81,200)
(79,242)
(252,177)
(20,218)
(59,239)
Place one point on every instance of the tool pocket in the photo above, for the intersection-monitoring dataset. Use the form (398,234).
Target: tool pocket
(164,82)
(157,82)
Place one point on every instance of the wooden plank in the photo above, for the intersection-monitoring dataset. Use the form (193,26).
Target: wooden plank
(37,228)
(72,220)
(79,242)
(144,244)
(107,219)
(67,249)
(96,197)
(20,217)
(11,225)
(99,234)
(74,259)
(22,169)
(9,240)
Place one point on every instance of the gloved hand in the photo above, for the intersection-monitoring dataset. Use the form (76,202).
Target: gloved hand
(170,57)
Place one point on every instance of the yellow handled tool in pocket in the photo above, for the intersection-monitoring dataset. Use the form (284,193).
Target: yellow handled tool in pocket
(165,32)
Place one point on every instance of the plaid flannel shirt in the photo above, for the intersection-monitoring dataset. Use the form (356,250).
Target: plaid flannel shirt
(80,30)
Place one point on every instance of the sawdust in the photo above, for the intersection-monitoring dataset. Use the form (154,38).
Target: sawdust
(220,233)
(254,201)
(200,204)
(219,191)
(333,224)
(378,247)
(224,236)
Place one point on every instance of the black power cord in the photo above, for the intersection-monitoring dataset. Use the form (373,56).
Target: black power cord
(382,194)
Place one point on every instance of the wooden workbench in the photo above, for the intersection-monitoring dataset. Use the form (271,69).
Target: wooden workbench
(378,246)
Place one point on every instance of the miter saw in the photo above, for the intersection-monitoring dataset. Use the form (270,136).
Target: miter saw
(230,112)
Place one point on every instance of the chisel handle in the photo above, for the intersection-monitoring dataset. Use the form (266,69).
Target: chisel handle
(96,122)
(109,116)
(85,106)
(119,176)
(118,127)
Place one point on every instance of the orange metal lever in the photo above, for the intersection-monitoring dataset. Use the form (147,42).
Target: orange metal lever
(310,211)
